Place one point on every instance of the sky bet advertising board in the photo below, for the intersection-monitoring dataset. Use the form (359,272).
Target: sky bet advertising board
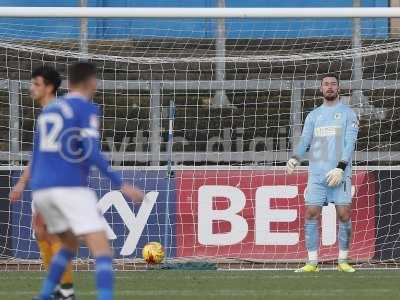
(220,213)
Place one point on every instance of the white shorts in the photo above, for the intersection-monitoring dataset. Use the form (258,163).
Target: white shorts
(69,208)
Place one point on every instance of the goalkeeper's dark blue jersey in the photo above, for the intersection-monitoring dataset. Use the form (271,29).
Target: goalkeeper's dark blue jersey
(67,144)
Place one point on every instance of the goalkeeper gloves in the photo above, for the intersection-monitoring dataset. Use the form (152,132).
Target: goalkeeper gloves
(291,165)
(335,176)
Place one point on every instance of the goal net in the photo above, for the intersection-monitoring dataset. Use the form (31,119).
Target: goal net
(235,95)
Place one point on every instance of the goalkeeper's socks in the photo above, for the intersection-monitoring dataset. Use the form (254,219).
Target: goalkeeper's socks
(312,239)
(57,268)
(104,278)
(344,240)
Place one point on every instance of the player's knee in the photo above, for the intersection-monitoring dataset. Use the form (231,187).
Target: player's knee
(343,213)
(97,243)
(40,233)
(102,250)
(344,217)
(312,213)
(69,241)
(39,228)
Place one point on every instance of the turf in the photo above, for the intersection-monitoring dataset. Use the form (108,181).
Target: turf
(231,285)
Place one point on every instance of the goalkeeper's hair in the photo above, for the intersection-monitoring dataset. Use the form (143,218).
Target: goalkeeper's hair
(81,72)
(50,76)
(330,75)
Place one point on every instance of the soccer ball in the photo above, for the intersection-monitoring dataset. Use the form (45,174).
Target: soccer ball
(153,253)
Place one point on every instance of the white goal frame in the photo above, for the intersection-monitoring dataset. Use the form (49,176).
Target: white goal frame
(178,12)
(210,13)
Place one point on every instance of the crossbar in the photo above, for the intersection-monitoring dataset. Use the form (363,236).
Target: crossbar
(198,12)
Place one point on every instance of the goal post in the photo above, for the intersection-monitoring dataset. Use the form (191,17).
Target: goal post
(214,174)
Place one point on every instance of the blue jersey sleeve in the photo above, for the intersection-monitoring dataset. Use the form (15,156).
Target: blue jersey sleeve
(91,144)
(306,137)
(350,137)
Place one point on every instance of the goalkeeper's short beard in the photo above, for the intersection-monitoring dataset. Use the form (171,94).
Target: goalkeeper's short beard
(331,98)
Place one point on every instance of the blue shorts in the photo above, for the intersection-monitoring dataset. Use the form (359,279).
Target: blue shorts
(319,193)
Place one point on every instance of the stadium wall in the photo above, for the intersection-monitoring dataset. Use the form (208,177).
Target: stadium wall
(224,213)
(201,28)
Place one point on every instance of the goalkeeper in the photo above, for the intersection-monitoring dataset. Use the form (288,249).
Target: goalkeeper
(329,134)
(45,82)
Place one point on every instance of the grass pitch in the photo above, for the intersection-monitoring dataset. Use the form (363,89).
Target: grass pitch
(230,285)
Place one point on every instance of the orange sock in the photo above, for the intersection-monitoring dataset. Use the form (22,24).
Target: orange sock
(46,252)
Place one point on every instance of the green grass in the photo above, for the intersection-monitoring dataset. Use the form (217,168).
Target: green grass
(230,285)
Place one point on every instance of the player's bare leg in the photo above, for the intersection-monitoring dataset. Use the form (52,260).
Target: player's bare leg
(311,229)
(344,213)
(66,288)
(42,238)
(98,245)
(58,264)
(49,245)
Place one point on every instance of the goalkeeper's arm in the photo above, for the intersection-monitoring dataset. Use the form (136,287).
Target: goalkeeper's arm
(350,138)
(304,144)
(335,176)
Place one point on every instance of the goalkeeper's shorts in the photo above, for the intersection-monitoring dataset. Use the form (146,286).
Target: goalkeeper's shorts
(318,193)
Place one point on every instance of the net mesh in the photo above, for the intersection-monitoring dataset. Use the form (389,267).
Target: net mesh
(226,159)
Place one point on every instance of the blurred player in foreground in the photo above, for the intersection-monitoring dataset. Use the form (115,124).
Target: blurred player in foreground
(330,133)
(66,145)
(45,83)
